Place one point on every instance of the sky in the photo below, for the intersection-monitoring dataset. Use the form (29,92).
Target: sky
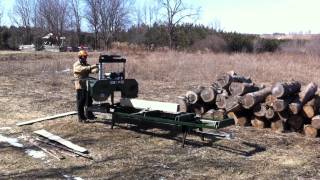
(247,16)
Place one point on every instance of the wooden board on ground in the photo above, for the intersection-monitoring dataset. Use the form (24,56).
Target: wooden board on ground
(60,140)
(47,118)
(151,105)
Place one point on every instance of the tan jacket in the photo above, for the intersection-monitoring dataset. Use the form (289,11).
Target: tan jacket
(81,71)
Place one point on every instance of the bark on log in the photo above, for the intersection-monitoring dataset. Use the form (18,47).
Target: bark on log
(304,96)
(183,105)
(194,95)
(260,110)
(296,122)
(208,94)
(214,114)
(277,126)
(224,80)
(221,101)
(251,99)
(258,123)
(310,131)
(286,88)
(315,122)
(270,113)
(239,89)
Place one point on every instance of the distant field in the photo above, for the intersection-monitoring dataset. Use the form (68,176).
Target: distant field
(34,85)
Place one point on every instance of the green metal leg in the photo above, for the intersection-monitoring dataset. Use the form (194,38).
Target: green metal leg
(184,137)
(202,136)
(113,121)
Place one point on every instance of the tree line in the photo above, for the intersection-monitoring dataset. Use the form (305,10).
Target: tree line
(161,23)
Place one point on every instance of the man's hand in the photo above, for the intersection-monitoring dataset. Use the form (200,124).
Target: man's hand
(94,68)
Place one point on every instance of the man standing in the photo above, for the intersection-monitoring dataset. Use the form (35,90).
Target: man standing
(81,70)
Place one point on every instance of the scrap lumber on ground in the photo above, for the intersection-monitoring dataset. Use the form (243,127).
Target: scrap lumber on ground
(60,140)
(46,118)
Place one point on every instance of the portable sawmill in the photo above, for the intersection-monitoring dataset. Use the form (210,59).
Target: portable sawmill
(131,110)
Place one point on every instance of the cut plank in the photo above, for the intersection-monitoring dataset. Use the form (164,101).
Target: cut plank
(47,118)
(58,139)
(151,105)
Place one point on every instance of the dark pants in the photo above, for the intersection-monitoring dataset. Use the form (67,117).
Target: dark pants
(81,102)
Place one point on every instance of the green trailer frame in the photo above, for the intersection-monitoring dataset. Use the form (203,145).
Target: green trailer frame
(187,122)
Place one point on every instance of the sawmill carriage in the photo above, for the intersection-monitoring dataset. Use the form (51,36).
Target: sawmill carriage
(131,110)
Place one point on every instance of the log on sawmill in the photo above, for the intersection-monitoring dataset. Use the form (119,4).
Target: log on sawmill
(304,96)
(258,123)
(214,114)
(260,110)
(253,98)
(315,122)
(193,96)
(224,80)
(311,108)
(310,131)
(239,89)
(208,94)
(286,88)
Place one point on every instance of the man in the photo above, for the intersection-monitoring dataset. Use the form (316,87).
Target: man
(81,70)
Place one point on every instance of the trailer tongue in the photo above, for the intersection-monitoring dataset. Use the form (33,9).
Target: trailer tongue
(142,112)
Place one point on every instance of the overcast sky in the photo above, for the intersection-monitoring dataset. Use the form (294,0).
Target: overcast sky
(248,16)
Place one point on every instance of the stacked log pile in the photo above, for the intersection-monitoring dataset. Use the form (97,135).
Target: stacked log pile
(283,106)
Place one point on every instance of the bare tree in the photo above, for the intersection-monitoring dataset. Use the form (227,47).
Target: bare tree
(1,14)
(114,17)
(22,11)
(53,15)
(175,12)
(77,16)
(93,17)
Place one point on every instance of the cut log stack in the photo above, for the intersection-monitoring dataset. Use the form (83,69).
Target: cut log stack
(283,106)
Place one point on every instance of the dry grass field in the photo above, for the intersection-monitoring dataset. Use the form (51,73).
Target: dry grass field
(39,84)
